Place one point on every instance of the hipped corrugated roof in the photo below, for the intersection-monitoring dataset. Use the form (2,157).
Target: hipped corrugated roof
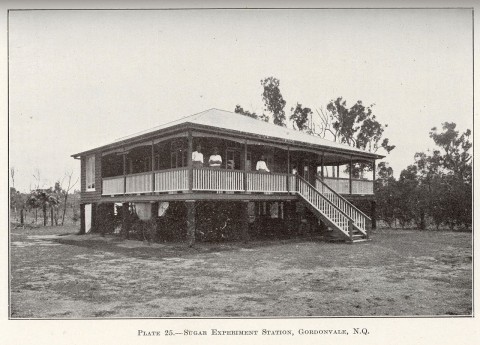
(230,121)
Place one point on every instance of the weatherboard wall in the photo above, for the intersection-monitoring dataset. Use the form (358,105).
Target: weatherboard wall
(91,196)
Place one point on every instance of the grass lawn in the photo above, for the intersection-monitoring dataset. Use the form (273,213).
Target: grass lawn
(399,273)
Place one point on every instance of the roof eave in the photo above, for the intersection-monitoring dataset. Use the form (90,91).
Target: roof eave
(191,125)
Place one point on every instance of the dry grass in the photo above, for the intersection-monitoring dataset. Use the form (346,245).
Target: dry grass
(399,273)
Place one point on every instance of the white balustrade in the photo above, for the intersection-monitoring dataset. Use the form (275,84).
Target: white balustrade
(292,183)
(322,204)
(266,182)
(359,218)
(218,180)
(112,185)
(339,185)
(139,183)
(171,180)
(362,187)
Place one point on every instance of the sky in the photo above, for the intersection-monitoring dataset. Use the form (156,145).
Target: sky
(80,79)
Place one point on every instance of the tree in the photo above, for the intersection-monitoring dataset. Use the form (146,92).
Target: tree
(444,178)
(65,192)
(12,190)
(43,198)
(240,110)
(414,197)
(33,202)
(456,157)
(356,126)
(386,192)
(300,117)
(273,100)
(18,202)
(53,201)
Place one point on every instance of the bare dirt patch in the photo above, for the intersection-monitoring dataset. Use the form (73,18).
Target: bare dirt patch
(57,274)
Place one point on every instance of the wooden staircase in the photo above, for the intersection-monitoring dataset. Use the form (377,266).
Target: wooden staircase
(338,213)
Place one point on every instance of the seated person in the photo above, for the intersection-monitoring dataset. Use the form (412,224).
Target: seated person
(197,157)
(215,160)
(261,165)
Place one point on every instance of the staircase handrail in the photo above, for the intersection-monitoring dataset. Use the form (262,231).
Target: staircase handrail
(325,198)
(341,197)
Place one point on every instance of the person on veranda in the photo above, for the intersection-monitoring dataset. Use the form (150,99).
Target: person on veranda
(262,165)
(215,160)
(197,157)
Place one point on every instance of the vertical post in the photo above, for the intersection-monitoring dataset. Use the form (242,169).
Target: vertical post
(111,217)
(125,220)
(321,162)
(374,167)
(374,214)
(190,204)
(245,181)
(296,182)
(189,161)
(338,170)
(82,219)
(244,222)
(154,209)
(124,171)
(94,218)
(350,229)
(288,168)
(153,166)
(101,218)
(350,176)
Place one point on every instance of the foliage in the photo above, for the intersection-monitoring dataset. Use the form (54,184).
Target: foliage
(456,158)
(39,199)
(386,193)
(239,110)
(437,187)
(356,126)
(273,100)
(300,117)
(144,230)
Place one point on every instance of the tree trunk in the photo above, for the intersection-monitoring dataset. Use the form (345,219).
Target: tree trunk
(125,220)
(21,216)
(44,209)
(190,222)
(82,219)
(422,220)
(51,215)
(373,210)
(64,208)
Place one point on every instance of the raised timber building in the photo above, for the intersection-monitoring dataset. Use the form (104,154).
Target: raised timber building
(151,170)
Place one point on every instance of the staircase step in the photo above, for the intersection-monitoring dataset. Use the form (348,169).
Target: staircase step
(361,240)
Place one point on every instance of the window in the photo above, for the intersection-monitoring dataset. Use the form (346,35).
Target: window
(90,173)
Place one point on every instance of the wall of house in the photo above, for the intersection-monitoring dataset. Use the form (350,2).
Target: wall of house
(93,196)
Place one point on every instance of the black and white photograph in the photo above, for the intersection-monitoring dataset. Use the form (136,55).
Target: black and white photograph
(227,163)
